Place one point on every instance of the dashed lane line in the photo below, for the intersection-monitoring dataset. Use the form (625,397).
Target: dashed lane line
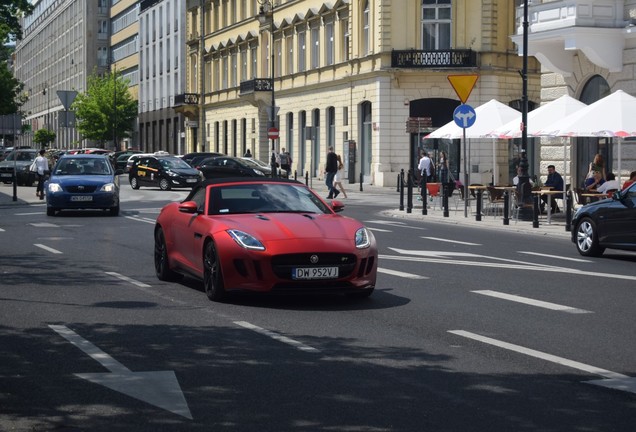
(532,302)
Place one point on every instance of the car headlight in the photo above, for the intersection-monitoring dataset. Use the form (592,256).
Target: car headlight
(258,172)
(173,174)
(55,187)
(108,187)
(363,239)
(246,240)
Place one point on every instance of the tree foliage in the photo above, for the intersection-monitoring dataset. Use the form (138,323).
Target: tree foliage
(44,137)
(105,109)
(10,13)
(11,96)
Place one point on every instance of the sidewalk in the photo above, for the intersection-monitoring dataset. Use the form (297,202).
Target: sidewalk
(382,196)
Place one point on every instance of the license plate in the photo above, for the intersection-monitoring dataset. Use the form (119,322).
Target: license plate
(315,273)
(81,198)
(6,175)
(191,180)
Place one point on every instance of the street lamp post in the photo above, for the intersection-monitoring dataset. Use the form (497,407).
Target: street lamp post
(266,12)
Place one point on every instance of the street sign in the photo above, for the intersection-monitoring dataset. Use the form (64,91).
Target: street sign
(192,123)
(66,97)
(464,116)
(463,85)
(272,133)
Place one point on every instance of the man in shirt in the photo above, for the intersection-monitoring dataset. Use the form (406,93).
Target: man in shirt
(611,184)
(331,168)
(555,181)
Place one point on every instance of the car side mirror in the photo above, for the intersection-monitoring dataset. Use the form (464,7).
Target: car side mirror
(337,206)
(189,207)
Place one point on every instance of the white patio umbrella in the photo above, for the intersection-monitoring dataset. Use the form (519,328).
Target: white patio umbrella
(490,116)
(613,116)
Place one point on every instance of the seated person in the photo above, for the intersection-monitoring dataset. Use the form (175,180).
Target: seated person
(555,181)
(610,185)
(632,179)
(515,180)
(593,182)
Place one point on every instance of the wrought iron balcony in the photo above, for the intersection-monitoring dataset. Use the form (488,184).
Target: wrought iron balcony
(257,84)
(186,99)
(421,59)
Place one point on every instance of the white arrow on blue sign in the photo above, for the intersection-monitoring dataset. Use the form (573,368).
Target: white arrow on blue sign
(464,116)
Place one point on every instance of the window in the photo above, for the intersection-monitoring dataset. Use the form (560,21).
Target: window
(344,26)
(329,52)
(301,50)
(234,69)
(290,53)
(278,53)
(315,46)
(436,24)
(254,61)
(243,63)
(366,22)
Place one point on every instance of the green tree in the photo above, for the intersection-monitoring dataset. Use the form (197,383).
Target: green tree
(44,137)
(10,13)
(11,96)
(106,109)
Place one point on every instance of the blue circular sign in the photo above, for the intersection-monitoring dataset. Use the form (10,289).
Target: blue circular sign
(464,116)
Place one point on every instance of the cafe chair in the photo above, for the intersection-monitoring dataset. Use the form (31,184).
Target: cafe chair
(434,192)
(495,201)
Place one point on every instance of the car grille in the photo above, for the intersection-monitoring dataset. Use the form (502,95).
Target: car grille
(80,189)
(282,265)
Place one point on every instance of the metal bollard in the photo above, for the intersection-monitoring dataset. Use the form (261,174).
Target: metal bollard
(361,178)
(445,199)
(398,184)
(409,195)
(401,188)
(423,194)
(478,214)
(295,175)
(506,218)
(535,211)
(568,210)
(306,178)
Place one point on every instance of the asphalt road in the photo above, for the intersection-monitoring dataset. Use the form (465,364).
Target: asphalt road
(468,330)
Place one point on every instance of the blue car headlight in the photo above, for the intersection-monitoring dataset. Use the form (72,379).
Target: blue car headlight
(363,238)
(108,187)
(246,240)
(54,187)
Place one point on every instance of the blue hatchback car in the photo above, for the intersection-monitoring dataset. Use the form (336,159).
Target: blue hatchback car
(83,181)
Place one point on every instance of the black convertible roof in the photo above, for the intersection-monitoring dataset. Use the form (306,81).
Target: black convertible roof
(246,180)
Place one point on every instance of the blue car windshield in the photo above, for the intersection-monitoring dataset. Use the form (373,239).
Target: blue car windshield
(83,166)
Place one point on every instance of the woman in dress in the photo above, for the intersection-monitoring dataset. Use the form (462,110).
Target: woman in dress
(337,180)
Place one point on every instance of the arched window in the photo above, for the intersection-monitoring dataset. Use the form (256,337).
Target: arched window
(436,24)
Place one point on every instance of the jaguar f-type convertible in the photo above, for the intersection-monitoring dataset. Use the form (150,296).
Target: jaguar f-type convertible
(264,235)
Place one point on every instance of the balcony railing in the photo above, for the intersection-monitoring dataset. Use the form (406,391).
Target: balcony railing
(257,84)
(433,59)
(186,99)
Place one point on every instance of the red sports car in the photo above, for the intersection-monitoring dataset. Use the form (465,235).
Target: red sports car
(264,235)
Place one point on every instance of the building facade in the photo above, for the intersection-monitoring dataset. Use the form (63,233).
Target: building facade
(161,75)
(587,49)
(368,77)
(63,42)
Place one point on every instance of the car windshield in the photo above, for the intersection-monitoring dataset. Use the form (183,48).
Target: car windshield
(254,164)
(83,166)
(264,198)
(21,156)
(172,163)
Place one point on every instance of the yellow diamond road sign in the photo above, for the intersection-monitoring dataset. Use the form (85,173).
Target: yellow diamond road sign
(463,85)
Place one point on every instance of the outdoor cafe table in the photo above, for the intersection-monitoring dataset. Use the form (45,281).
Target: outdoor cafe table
(593,196)
(549,193)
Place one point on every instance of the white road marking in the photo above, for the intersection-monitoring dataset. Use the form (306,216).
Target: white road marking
(276,336)
(394,223)
(127,279)
(1,230)
(48,249)
(379,229)
(426,257)
(540,355)
(555,257)
(28,214)
(532,302)
(400,274)
(44,225)
(138,219)
(159,388)
(451,241)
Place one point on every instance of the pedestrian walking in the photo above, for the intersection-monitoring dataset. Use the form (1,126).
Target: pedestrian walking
(42,169)
(337,180)
(331,168)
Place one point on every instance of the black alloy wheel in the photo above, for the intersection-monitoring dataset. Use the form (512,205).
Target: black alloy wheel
(134,183)
(212,278)
(162,266)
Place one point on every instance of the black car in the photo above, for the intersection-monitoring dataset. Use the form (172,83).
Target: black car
(610,223)
(167,172)
(229,166)
(193,159)
(21,160)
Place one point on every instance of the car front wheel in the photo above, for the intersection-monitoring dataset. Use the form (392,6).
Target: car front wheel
(162,266)
(212,278)
(134,183)
(164,184)
(587,239)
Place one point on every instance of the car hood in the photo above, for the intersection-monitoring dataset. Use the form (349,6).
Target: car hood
(283,226)
(84,179)
(185,171)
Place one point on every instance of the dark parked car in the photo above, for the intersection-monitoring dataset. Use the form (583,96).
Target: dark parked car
(229,166)
(167,172)
(83,181)
(21,159)
(610,223)
(193,159)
